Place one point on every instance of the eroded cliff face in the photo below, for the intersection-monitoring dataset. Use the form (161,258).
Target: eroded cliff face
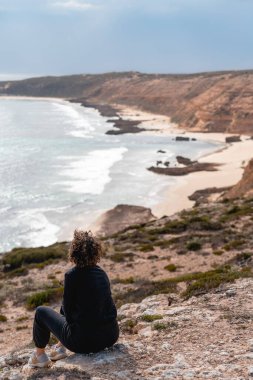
(210,102)
(244,188)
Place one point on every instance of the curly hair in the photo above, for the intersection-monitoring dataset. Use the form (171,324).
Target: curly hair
(85,249)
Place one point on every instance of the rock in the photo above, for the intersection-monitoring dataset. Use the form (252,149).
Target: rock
(147,332)
(182,138)
(161,151)
(244,188)
(184,160)
(120,217)
(203,195)
(178,171)
(250,371)
(231,139)
(11,360)
(230,293)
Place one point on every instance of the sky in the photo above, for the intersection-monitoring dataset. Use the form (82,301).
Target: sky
(57,37)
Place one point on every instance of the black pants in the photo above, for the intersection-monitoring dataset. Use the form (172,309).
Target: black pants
(75,338)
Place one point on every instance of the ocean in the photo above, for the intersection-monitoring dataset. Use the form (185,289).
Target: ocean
(60,171)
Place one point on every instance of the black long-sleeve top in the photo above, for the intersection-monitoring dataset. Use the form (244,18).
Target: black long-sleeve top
(87,298)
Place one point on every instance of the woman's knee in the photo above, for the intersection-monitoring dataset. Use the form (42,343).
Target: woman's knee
(41,311)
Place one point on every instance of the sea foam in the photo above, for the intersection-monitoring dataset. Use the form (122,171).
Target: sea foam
(90,174)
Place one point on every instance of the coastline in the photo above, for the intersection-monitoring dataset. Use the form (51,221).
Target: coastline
(232,158)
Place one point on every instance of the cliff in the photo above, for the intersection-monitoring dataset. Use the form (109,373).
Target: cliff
(244,188)
(210,102)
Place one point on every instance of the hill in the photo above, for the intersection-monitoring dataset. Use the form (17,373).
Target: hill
(210,102)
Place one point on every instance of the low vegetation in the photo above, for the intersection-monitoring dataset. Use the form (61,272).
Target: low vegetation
(194,245)
(171,267)
(151,318)
(44,297)
(121,257)
(128,326)
(213,279)
(159,326)
(20,258)
(3,318)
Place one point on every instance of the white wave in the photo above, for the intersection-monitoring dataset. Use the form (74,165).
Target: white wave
(91,173)
(72,117)
(79,133)
(35,229)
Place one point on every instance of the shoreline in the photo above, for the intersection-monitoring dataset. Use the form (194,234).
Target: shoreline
(230,156)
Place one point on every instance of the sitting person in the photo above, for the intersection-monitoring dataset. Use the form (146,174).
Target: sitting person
(87,320)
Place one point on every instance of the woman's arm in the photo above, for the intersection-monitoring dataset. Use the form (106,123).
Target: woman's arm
(68,296)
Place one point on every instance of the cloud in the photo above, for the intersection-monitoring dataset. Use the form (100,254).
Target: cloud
(73,5)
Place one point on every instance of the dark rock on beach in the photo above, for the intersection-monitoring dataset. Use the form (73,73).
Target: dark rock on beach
(195,167)
(104,109)
(181,138)
(232,139)
(124,126)
(185,161)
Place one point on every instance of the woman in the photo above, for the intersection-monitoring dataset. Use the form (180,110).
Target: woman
(87,320)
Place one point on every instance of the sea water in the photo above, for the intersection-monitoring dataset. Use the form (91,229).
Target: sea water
(59,170)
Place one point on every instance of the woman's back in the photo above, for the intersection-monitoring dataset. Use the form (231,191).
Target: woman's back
(87,297)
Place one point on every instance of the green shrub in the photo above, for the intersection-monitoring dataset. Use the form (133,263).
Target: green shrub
(203,223)
(145,289)
(22,319)
(18,328)
(151,318)
(241,258)
(171,227)
(128,326)
(164,243)
(43,297)
(213,279)
(193,245)
(218,252)
(128,280)
(146,248)
(3,318)
(160,326)
(121,257)
(234,244)
(19,257)
(235,211)
(22,271)
(171,267)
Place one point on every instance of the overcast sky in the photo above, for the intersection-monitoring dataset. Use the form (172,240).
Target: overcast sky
(76,36)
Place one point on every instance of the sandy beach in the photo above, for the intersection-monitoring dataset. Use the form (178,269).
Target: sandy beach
(232,159)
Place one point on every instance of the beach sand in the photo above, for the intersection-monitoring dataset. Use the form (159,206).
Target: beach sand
(232,159)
